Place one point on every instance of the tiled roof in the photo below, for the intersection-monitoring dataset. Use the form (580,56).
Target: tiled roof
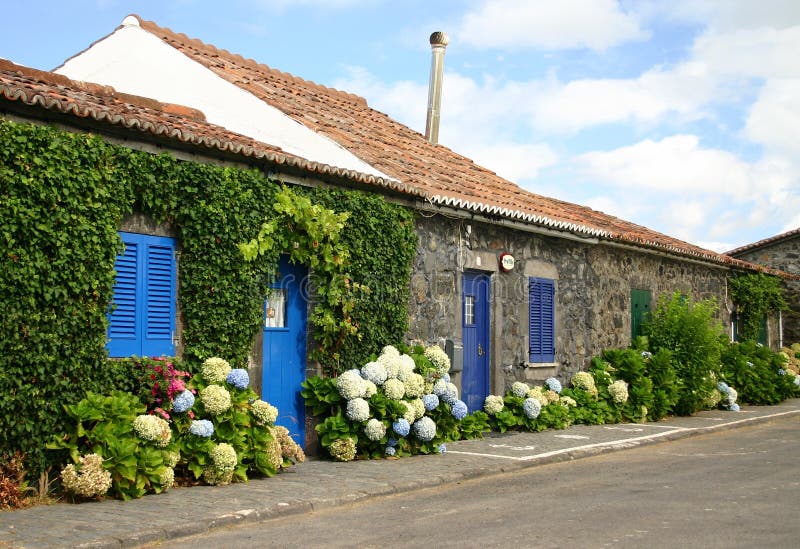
(97,104)
(765,242)
(446,177)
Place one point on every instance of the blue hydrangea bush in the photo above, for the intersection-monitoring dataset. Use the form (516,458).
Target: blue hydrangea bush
(214,431)
(399,404)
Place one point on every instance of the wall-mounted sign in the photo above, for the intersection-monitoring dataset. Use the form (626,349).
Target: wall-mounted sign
(506,262)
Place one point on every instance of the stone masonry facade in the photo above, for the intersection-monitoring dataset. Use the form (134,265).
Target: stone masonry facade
(593,284)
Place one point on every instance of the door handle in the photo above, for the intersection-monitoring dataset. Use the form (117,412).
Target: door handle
(480,350)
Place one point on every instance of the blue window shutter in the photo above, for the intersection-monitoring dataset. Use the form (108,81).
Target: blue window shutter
(159,313)
(123,332)
(541,326)
(143,317)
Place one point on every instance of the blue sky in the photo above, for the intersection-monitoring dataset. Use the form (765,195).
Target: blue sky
(681,115)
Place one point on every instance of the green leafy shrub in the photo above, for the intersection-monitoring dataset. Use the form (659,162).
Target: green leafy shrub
(629,366)
(690,332)
(660,369)
(758,374)
(104,425)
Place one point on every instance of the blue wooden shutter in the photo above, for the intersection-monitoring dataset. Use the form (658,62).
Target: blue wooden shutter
(541,326)
(159,313)
(123,334)
(142,320)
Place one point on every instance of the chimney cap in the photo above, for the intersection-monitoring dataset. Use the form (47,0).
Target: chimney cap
(439,38)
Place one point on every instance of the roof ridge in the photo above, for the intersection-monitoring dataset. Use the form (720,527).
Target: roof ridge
(764,241)
(186,40)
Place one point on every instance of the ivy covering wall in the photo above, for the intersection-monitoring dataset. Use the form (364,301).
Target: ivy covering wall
(63,197)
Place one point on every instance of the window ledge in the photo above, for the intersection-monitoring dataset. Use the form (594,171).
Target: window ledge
(540,365)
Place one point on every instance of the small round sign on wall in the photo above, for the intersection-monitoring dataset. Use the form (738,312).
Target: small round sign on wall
(506,262)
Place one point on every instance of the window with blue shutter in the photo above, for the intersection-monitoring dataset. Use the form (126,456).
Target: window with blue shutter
(541,326)
(142,316)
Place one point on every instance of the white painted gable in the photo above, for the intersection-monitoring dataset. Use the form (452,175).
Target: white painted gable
(134,61)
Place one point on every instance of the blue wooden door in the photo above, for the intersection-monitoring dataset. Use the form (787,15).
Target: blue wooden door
(284,347)
(475,333)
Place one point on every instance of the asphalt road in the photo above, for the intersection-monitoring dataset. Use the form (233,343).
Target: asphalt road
(737,488)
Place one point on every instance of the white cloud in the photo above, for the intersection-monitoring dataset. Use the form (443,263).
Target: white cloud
(580,104)
(512,161)
(724,14)
(774,118)
(762,52)
(675,163)
(545,24)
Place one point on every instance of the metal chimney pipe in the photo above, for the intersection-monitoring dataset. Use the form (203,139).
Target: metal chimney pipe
(439,41)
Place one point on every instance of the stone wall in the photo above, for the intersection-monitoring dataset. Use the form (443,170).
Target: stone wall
(784,255)
(593,285)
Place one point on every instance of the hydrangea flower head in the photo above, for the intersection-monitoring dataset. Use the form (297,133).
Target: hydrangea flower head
(375,430)
(732,395)
(202,428)
(405,367)
(410,414)
(263,412)
(440,387)
(438,358)
(493,404)
(391,442)
(402,427)
(568,401)
(153,429)
(646,355)
(224,457)
(424,429)
(734,407)
(553,384)
(441,448)
(390,351)
(167,478)
(239,378)
(585,382)
(216,399)
(370,389)
(551,396)
(781,372)
(430,401)
(414,385)
(446,377)
(532,408)
(351,385)
(343,449)
(390,451)
(215,369)
(723,387)
(418,406)
(183,402)
(520,389)
(537,393)
(374,372)
(88,479)
(357,409)
(618,391)
(450,396)
(459,410)
(394,389)
(797,380)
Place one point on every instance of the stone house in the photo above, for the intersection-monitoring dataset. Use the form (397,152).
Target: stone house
(516,285)
(780,252)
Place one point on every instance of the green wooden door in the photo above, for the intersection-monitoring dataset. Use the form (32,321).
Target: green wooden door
(641,302)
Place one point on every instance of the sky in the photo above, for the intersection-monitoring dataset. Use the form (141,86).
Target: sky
(680,115)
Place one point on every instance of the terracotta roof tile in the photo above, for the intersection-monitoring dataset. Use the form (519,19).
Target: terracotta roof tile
(446,177)
(103,104)
(765,242)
